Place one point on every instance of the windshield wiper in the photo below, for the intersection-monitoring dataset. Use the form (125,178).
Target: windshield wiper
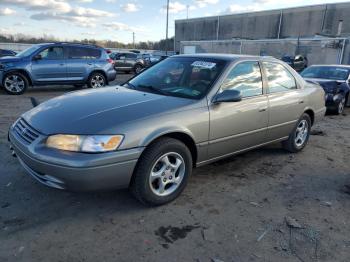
(154,89)
(130,85)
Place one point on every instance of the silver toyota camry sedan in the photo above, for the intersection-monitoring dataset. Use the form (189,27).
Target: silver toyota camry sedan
(149,133)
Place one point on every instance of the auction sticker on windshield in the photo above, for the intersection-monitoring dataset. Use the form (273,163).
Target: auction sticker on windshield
(203,64)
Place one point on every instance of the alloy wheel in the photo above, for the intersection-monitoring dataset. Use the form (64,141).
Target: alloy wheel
(14,83)
(301,133)
(97,81)
(341,106)
(167,174)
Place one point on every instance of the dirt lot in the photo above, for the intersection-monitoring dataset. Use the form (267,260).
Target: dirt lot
(232,210)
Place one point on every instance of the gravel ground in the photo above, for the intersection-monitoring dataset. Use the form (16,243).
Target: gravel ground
(264,205)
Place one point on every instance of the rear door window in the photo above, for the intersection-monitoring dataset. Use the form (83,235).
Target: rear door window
(83,53)
(279,78)
(130,56)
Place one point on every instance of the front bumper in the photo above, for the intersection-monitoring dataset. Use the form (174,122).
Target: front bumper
(320,114)
(75,171)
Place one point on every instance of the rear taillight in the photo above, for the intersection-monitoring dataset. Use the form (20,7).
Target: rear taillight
(110,60)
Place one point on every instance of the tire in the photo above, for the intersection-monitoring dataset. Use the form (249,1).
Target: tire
(138,69)
(297,143)
(96,80)
(159,163)
(340,106)
(15,83)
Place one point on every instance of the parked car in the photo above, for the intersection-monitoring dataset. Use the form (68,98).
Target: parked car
(130,62)
(298,62)
(186,111)
(335,80)
(56,64)
(5,52)
(157,58)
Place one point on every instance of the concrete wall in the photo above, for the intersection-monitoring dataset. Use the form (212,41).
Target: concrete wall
(318,51)
(295,22)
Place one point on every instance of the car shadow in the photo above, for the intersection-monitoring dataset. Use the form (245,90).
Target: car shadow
(47,205)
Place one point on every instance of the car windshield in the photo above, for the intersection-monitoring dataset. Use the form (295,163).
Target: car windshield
(187,77)
(28,51)
(326,72)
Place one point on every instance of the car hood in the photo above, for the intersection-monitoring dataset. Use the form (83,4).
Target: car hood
(329,86)
(7,59)
(99,111)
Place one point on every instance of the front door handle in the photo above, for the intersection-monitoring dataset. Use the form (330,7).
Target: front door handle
(263,109)
(62,64)
(301,101)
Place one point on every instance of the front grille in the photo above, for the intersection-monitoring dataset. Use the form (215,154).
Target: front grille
(27,133)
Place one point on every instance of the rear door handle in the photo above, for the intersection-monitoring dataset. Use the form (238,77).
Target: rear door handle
(62,64)
(262,109)
(301,101)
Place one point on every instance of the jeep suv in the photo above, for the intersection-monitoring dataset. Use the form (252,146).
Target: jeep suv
(56,64)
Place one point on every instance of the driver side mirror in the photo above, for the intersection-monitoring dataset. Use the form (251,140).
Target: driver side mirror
(37,57)
(228,95)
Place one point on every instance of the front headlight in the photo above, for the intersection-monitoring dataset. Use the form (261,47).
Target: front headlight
(85,143)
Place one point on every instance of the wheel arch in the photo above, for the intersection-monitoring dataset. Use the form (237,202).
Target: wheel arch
(98,71)
(311,114)
(23,72)
(182,136)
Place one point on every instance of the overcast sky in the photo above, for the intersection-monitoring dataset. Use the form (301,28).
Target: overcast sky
(117,19)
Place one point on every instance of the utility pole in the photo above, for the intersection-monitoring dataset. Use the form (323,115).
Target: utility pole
(167,25)
(133,39)
(187,7)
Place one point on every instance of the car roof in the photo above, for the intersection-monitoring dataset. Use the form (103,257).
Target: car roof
(227,57)
(343,66)
(70,44)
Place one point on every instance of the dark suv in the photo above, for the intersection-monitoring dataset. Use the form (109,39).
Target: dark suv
(56,64)
(130,62)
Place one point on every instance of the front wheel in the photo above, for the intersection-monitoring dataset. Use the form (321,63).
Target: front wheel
(300,135)
(341,106)
(96,80)
(15,83)
(162,172)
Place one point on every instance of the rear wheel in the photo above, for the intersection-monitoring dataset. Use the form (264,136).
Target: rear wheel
(162,172)
(96,80)
(300,135)
(138,69)
(15,83)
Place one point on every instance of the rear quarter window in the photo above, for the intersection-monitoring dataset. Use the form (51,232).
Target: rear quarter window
(83,53)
